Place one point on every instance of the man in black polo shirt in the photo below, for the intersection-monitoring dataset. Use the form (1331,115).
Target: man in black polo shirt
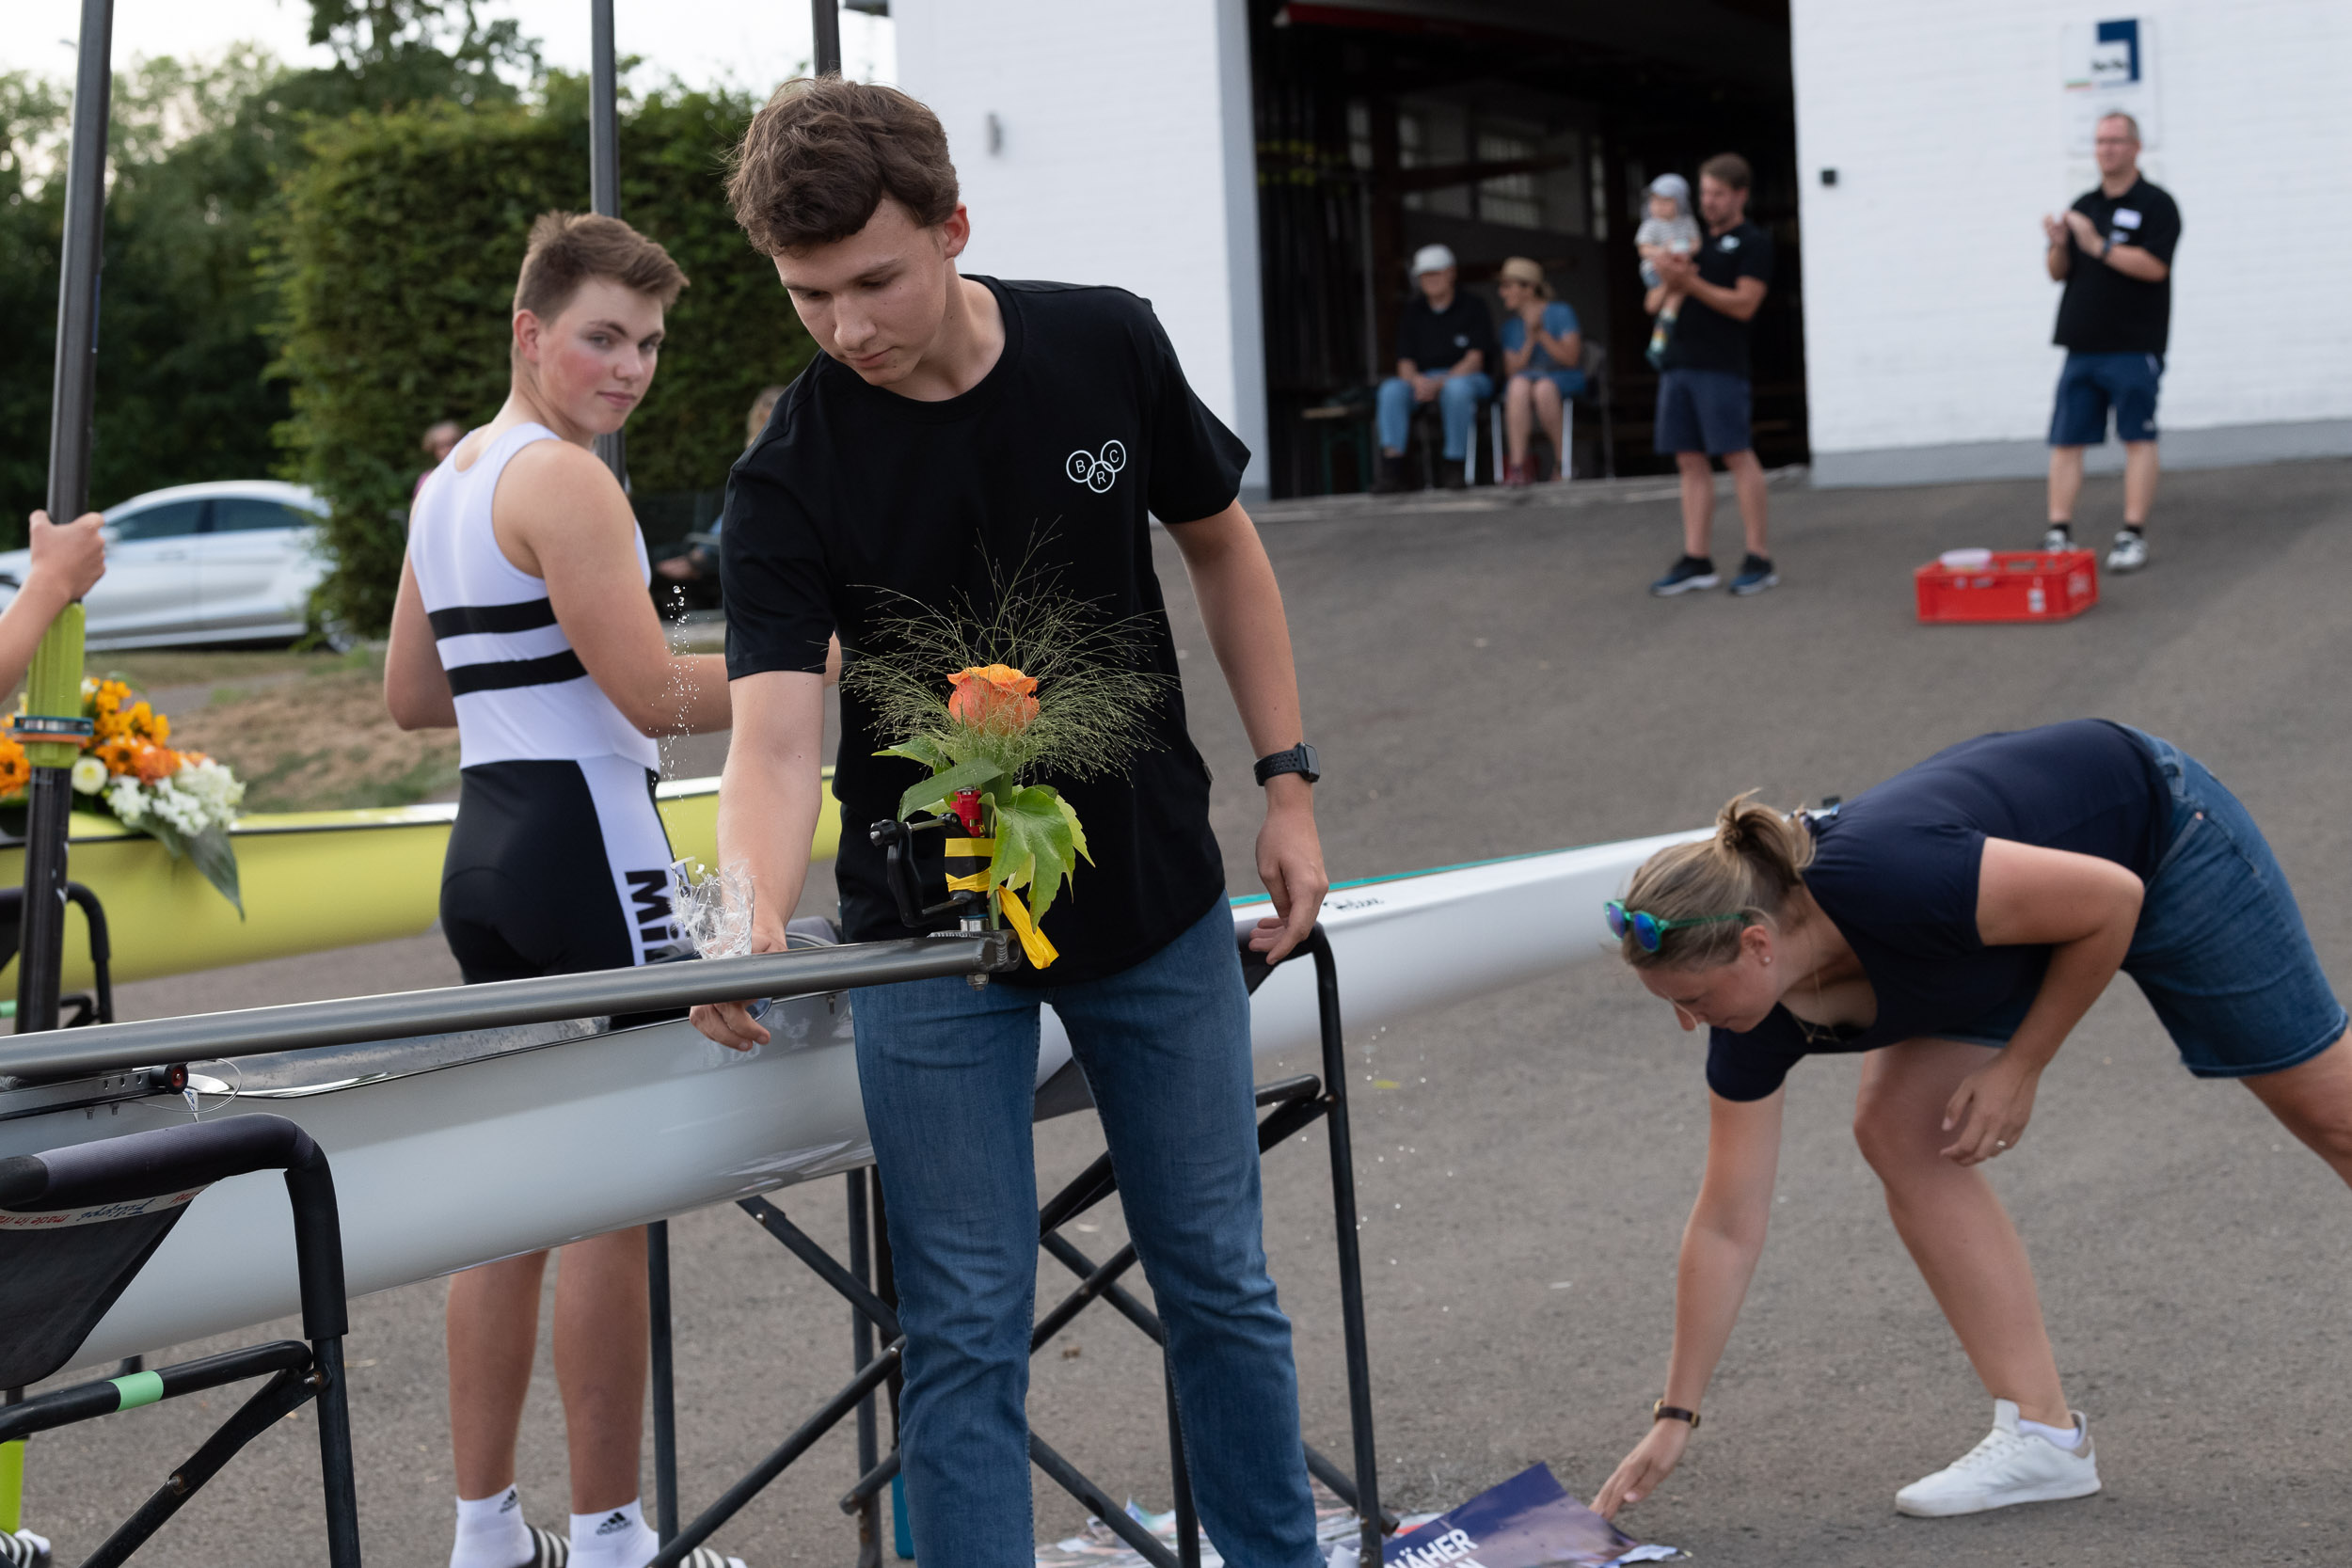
(1446,355)
(952,425)
(2113,250)
(1703,396)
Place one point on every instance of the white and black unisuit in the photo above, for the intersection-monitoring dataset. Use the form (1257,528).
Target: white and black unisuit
(558,861)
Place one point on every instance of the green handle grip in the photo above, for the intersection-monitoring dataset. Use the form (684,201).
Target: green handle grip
(53,688)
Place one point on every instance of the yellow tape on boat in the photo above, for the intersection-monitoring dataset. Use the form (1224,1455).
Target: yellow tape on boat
(971,847)
(1033,942)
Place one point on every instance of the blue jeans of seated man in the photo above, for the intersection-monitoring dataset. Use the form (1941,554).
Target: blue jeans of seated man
(949,1075)
(1458,405)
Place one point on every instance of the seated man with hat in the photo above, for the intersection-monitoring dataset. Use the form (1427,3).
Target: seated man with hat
(1445,349)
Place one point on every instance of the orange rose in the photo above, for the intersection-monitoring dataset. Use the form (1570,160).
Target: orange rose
(157,763)
(992,697)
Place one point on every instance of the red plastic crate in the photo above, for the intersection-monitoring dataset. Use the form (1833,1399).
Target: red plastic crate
(2017,585)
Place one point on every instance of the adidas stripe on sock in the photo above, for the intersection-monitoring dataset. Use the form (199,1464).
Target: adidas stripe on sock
(491,1532)
(613,1537)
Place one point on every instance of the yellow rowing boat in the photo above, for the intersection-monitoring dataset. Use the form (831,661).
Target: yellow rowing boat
(311,880)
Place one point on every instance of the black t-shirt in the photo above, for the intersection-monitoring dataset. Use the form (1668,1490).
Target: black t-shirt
(1436,340)
(854,493)
(1895,870)
(1704,338)
(2103,311)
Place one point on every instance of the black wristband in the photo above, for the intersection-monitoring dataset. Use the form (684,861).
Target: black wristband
(1662,1411)
(1299,759)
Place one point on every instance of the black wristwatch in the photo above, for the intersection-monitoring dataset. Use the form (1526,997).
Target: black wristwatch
(1299,759)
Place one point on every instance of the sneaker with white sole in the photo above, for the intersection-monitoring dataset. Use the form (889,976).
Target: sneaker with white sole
(2129,552)
(1688,573)
(2057,537)
(2010,1467)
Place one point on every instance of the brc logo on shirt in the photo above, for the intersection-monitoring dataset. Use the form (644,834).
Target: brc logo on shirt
(1097,470)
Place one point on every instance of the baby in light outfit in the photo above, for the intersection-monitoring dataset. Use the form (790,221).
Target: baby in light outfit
(1669,230)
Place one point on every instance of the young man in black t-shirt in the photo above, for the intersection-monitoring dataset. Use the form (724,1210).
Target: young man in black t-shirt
(2113,250)
(951,424)
(1703,396)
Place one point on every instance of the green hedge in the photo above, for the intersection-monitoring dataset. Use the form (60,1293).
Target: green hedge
(394,250)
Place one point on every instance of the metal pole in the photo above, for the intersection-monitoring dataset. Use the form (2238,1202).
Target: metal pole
(861,1352)
(604,169)
(825,23)
(53,685)
(1351,1261)
(664,1383)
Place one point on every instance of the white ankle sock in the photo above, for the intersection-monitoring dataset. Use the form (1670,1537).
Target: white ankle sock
(2067,1437)
(614,1538)
(491,1532)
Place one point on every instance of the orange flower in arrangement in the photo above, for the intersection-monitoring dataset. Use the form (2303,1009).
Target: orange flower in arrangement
(16,770)
(992,697)
(157,763)
(121,754)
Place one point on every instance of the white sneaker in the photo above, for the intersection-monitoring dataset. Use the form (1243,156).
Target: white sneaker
(2130,552)
(2007,1467)
(2058,538)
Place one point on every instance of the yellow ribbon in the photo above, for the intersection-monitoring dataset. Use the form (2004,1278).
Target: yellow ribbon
(1033,942)
(972,847)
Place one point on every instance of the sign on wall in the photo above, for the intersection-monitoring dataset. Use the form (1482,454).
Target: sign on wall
(2106,68)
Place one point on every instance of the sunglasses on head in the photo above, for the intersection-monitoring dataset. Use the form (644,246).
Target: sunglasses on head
(1648,929)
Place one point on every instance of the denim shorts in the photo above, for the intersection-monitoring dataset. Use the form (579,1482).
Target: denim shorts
(2091,383)
(2220,951)
(1567,384)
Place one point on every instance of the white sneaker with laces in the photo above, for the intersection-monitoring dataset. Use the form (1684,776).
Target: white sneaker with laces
(2008,1467)
(2129,553)
(2057,538)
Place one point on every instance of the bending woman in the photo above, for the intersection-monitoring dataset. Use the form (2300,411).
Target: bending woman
(1955,922)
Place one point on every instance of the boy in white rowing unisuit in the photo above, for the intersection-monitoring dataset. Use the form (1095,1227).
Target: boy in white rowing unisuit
(523,620)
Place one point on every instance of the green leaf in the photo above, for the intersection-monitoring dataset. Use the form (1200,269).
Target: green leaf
(922,749)
(1077,833)
(1035,846)
(209,852)
(939,788)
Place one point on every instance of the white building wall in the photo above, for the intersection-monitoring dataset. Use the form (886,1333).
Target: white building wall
(1123,153)
(1927,314)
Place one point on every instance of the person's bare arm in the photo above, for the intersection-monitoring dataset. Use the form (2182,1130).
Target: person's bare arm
(1241,604)
(2129,259)
(769,799)
(416,687)
(1739,302)
(1515,359)
(1567,351)
(560,516)
(2085,909)
(1719,1246)
(67,561)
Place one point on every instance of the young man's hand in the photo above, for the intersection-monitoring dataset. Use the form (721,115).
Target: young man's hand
(2054,229)
(2086,234)
(730,1023)
(1426,388)
(1290,863)
(1675,270)
(68,558)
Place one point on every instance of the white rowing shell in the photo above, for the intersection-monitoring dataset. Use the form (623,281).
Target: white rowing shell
(455,1150)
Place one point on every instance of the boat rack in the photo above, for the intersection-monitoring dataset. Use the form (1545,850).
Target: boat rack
(1292,1105)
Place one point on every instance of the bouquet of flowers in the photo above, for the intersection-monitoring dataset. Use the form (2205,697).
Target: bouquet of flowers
(184,800)
(987,700)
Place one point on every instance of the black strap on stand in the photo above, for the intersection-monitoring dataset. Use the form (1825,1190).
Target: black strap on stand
(1291,1106)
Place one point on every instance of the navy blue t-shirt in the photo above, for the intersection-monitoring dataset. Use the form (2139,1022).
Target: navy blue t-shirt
(1895,870)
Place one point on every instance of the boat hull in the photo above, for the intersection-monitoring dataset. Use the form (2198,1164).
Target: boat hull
(461,1161)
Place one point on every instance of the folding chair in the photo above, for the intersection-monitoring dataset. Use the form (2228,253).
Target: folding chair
(77,1224)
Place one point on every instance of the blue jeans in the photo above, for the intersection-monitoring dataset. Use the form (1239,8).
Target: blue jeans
(949,1075)
(1458,405)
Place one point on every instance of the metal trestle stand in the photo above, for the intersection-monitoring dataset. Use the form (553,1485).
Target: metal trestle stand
(1291,1106)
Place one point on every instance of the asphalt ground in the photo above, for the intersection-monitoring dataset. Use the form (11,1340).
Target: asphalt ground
(1485,682)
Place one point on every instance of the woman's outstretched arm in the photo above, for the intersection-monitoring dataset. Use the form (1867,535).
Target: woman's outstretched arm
(1720,1247)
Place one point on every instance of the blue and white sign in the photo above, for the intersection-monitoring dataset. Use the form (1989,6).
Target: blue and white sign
(2106,68)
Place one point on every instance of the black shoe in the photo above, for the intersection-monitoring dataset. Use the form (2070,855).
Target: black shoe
(1450,474)
(1392,480)
(1691,571)
(1755,575)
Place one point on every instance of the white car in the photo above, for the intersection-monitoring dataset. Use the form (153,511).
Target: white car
(229,562)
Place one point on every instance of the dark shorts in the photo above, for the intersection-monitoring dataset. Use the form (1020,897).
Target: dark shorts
(2091,384)
(1702,411)
(2220,951)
